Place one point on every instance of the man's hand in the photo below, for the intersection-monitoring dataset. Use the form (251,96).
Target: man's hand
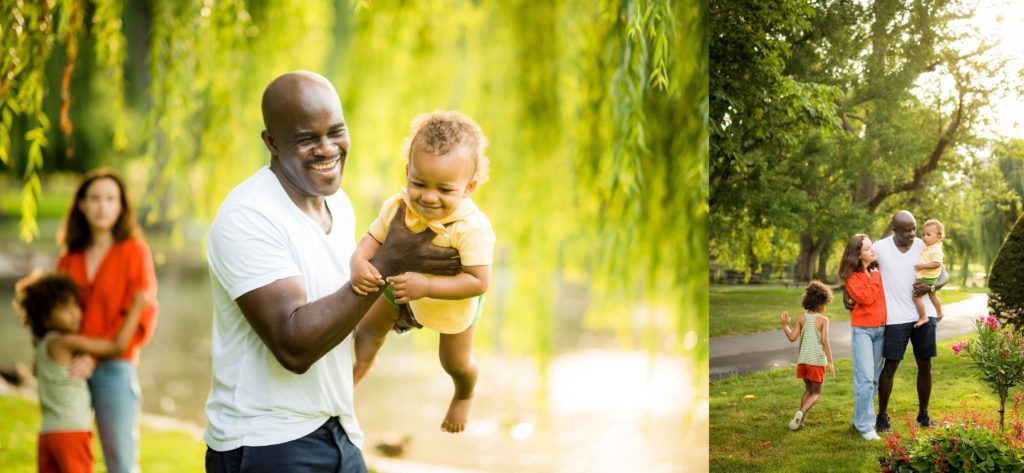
(409,287)
(404,251)
(365,278)
(921,289)
(81,367)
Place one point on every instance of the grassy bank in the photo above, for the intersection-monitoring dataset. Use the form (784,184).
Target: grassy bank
(160,450)
(749,416)
(740,311)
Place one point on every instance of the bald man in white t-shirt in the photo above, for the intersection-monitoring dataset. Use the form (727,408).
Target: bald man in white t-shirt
(282,393)
(897,255)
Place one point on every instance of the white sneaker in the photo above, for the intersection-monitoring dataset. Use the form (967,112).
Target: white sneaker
(871,436)
(797,420)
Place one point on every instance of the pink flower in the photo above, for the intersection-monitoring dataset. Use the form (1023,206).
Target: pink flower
(959,347)
(992,323)
(989,321)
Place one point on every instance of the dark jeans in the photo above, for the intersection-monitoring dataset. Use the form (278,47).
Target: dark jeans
(326,449)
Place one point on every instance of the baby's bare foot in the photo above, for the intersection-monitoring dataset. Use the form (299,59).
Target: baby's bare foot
(458,414)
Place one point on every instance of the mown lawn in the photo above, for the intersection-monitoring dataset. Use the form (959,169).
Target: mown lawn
(749,415)
(160,451)
(740,311)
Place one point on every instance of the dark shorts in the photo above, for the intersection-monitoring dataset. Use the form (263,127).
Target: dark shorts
(326,449)
(922,338)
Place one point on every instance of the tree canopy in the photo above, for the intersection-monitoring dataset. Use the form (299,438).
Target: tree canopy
(829,115)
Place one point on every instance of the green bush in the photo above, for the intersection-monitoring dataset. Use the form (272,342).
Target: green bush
(1006,277)
(965,445)
(998,356)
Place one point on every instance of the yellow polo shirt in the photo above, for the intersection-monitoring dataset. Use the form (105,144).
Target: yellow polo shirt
(467,230)
(931,254)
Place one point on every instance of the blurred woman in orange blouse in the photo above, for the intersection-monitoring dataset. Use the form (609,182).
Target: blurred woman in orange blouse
(103,251)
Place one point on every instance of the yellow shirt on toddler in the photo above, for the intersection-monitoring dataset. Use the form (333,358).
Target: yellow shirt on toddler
(931,254)
(467,230)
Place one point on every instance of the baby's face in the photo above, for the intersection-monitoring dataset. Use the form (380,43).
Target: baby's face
(930,235)
(436,184)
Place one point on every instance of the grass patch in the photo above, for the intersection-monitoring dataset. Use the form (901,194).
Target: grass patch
(159,450)
(741,311)
(749,434)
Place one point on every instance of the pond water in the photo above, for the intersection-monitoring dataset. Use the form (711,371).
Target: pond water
(596,408)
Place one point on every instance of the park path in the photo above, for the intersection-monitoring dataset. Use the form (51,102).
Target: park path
(763,351)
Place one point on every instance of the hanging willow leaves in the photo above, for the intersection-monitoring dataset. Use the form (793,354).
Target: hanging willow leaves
(596,113)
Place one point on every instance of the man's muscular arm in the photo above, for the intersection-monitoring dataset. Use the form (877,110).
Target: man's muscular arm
(298,332)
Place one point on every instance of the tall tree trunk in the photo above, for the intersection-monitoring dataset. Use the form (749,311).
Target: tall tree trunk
(823,256)
(752,263)
(810,249)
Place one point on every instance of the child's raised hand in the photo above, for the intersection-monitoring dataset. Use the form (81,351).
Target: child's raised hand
(785,318)
(365,278)
(409,287)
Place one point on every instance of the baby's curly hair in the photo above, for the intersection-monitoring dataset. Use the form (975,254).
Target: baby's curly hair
(442,131)
(38,294)
(816,295)
(938,226)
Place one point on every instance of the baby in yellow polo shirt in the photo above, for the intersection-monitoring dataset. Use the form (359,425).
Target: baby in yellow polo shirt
(445,163)
(929,268)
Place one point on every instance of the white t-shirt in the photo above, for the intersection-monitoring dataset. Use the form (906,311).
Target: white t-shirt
(898,278)
(259,236)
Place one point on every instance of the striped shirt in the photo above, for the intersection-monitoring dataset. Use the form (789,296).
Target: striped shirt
(811,351)
(65,401)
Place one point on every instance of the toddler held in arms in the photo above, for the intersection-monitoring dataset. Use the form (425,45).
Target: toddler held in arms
(444,165)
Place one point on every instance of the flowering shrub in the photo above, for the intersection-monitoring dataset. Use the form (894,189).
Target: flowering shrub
(964,441)
(998,356)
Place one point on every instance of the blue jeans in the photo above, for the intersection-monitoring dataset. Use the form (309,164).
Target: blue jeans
(866,345)
(114,387)
(326,449)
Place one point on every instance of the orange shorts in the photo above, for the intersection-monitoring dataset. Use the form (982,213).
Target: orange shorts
(67,452)
(811,372)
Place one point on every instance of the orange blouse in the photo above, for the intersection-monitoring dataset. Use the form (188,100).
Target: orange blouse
(126,269)
(869,299)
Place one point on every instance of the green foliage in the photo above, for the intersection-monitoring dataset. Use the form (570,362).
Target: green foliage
(596,114)
(1007,299)
(901,89)
(998,356)
(964,441)
(956,447)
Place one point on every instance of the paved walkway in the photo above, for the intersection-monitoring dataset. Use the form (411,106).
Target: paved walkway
(763,351)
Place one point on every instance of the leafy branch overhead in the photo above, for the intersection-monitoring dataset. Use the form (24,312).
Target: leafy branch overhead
(596,113)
